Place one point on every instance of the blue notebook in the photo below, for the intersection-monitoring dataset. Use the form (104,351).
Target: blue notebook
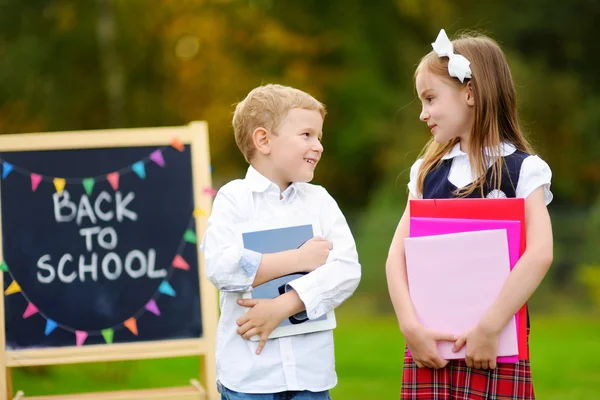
(274,239)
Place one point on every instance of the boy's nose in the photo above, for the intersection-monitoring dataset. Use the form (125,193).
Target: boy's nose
(318,146)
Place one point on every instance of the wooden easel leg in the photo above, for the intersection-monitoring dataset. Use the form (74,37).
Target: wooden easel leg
(8,380)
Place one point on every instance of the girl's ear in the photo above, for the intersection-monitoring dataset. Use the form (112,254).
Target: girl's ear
(260,138)
(469,94)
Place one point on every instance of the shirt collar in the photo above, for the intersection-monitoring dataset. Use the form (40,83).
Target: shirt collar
(260,184)
(505,150)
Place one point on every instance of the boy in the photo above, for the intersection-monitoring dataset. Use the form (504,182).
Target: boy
(278,130)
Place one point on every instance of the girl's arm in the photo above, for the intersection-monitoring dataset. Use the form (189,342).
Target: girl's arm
(420,340)
(482,340)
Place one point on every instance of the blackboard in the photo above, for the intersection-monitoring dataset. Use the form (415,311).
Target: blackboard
(142,226)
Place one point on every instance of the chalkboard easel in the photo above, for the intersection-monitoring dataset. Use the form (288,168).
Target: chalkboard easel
(99,258)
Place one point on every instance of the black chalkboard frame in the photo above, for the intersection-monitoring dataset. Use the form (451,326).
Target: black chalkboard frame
(195,135)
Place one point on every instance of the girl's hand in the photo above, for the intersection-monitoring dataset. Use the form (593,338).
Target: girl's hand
(422,343)
(482,347)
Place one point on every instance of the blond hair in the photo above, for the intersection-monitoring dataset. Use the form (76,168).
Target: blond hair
(495,119)
(265,107)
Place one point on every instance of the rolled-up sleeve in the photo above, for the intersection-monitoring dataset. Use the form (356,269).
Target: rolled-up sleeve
(330,285)
(228,266)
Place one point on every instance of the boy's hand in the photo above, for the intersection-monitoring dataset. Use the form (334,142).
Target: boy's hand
(422,343)
(313,254)
(482,347)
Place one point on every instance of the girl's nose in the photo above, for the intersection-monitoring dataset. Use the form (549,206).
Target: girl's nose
(424,115)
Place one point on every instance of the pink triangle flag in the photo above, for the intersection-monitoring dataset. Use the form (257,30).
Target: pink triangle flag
(152,307)
(35,181)
(179,262)
(113,178)
(81,336)
(157,157)
(31,309)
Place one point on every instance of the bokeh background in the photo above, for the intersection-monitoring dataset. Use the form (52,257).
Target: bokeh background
(74,65)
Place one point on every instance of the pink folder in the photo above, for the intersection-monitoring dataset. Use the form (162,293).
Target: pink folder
(420,226)
(453,279)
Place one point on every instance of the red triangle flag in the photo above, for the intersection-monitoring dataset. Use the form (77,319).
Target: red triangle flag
(113,178)
(179,262)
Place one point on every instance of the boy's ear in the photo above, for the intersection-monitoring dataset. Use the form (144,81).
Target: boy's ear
(469,94)
(260,138)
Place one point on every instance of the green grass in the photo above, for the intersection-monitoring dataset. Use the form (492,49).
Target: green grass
(565,361)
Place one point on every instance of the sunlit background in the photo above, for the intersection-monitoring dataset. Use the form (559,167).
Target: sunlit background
(75,65)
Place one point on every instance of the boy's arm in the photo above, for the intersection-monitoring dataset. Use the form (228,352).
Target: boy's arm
(330,285)
(234,269)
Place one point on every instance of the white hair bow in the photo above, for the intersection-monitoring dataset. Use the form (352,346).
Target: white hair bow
(458,66)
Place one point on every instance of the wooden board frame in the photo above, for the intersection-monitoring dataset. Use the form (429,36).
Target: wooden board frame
(196,135)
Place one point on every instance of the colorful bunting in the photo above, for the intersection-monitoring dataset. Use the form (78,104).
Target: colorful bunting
(179,262)
(7,169)
(198,212)
(80,337)
(59,184)
(3,266)
(139,169)
(88,185)
(113,179)
(108,335)
(157,157)
(35,181)
(12,288)
(209,191)
(131,324)
(176,144)
(165,288)
(31,310)
(189,236)
(50,326)
(152,307)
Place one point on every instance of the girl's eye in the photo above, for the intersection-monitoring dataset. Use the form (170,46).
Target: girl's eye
(429,99)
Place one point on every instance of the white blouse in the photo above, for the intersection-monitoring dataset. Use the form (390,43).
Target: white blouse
(535,172)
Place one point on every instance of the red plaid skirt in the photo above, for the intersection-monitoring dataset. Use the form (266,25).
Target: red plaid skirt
(458,381)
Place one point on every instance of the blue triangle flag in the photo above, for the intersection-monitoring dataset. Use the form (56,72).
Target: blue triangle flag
(139,169)
(165,288)
(50,326)
(7,169)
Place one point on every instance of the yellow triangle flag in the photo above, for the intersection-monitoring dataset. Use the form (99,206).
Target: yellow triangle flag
(198,212)
(12,288)
(59,184)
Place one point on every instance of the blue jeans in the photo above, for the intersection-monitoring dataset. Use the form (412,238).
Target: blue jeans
(227,394)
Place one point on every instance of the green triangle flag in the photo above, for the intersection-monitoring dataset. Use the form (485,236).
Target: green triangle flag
(3,266)
(189,236)
(88,185)
(108,335)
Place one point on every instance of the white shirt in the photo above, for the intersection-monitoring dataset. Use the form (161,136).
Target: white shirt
(535,172)
(300,362)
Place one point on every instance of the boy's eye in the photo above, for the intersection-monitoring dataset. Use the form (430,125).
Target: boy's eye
(306,134)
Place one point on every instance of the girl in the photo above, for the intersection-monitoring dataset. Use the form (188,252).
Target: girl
(477,150)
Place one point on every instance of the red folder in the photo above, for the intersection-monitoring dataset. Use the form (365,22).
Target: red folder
(505,209)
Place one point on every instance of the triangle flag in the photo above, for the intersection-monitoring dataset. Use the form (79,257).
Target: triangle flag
(88,185)
(198,212)
(189,236)
(152,307)
(31,309)
(3,266)
(108,335)
(179,262)
(113,178)
(165,288)
(157,157)
(35,181)
(7,169)
(13,288)
(139,169)
(176,143)
(59,184)
(210,191)
(50,326)
(131,324)
(80,337)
